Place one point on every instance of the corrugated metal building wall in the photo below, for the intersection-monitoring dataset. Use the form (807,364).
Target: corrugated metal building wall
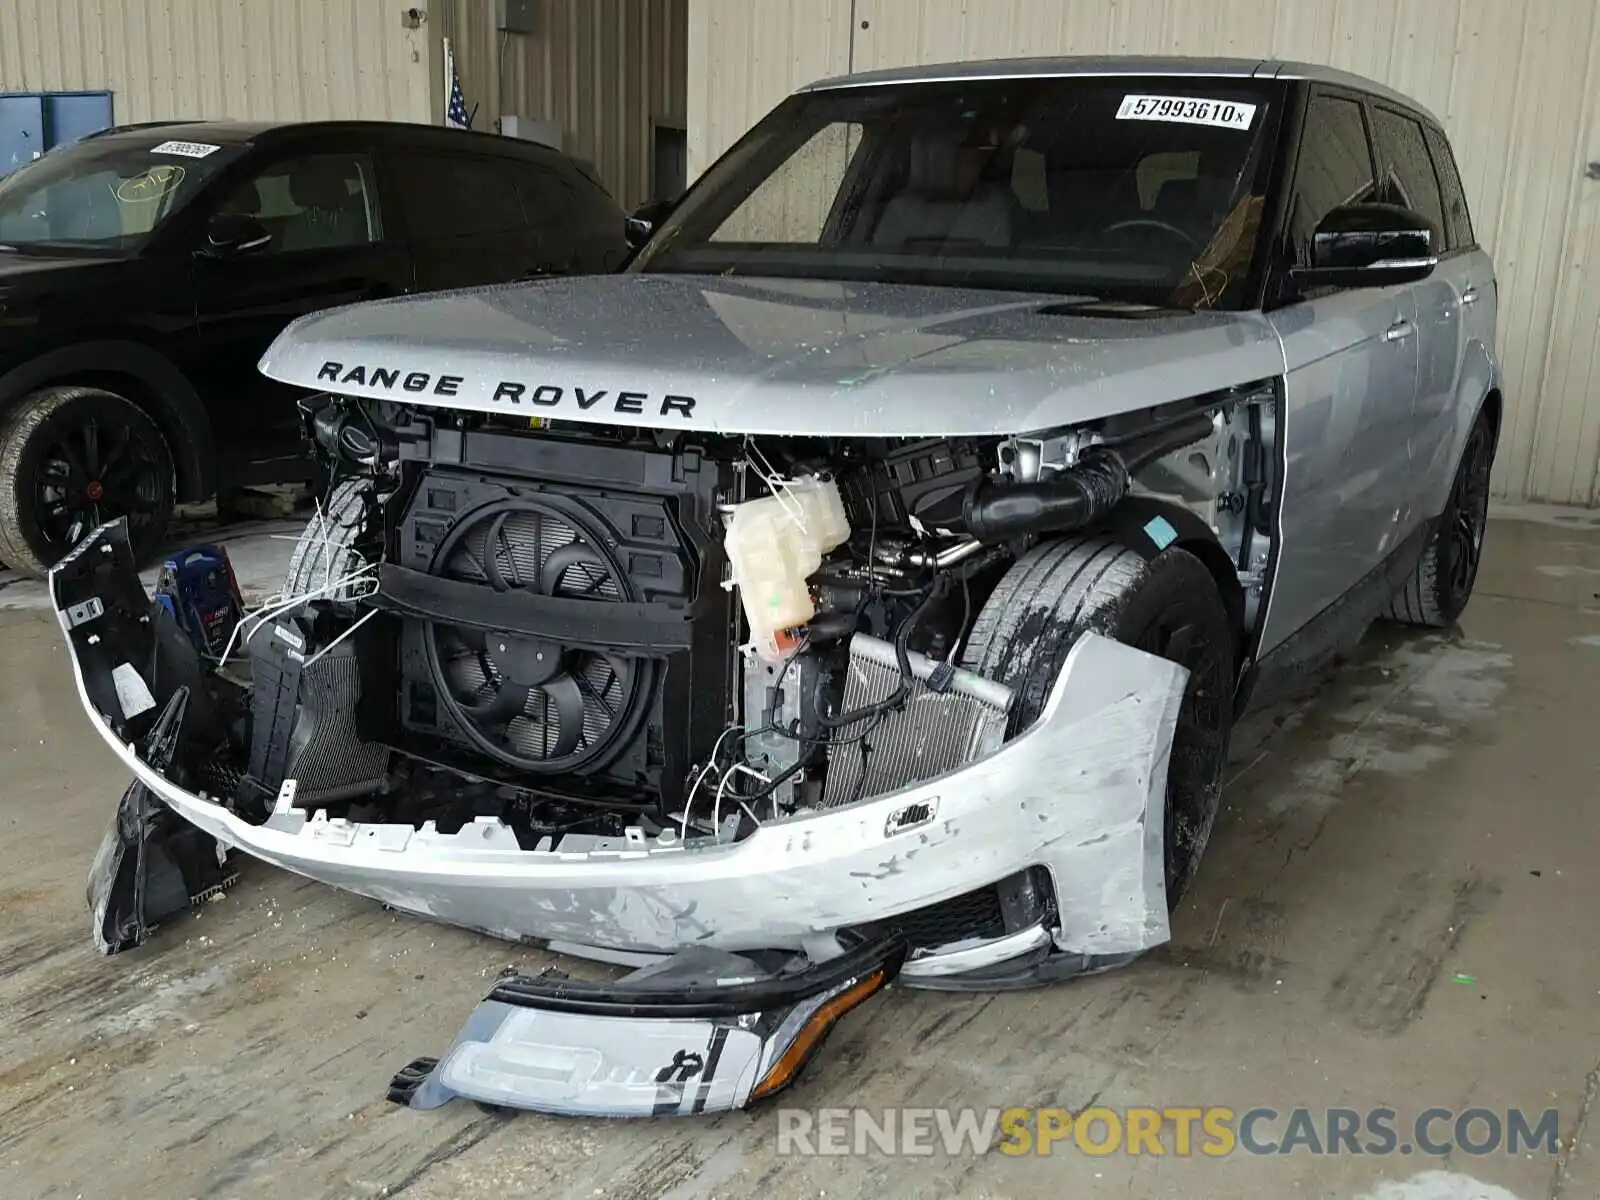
(599,70)
(272,59)
(1517,83)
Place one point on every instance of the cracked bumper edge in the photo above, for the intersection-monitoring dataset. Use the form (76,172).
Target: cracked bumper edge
(1080,794)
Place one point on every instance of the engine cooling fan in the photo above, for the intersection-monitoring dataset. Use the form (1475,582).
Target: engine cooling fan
(529,702)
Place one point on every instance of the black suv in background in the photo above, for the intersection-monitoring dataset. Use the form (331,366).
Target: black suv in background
(144,270)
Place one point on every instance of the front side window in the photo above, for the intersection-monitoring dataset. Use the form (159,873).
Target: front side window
(1138,188)
(1334,168)
(313,202)
(1408,176)
(104,196)
(453,195)
(544,195)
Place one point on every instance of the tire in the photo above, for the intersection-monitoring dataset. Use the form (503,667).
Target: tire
(326,550)
(1437,592)
(1169,605)
(72,458)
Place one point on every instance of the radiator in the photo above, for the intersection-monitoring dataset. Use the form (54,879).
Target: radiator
(951,717)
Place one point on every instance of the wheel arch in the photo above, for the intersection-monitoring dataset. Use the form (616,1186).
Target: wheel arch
(1148,525)
(1493,407)
(144,376)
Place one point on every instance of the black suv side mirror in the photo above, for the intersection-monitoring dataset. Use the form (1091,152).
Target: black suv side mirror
(644,220)
(1371,245)
(232,235)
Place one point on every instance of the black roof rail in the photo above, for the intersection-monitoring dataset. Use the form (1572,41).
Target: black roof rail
(129,128)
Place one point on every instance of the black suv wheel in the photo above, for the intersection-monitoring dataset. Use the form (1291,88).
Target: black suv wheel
(1439,588)
(72,458)
(1168,606)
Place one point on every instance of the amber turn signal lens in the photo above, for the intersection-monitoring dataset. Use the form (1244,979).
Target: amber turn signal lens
(783,1071)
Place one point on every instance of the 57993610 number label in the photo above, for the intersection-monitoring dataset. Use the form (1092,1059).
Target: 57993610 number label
(1187,110)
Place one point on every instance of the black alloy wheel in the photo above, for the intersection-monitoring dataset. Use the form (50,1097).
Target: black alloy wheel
(73,458)
(1466,520)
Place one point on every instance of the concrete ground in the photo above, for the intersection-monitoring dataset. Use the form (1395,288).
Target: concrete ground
(1397,910)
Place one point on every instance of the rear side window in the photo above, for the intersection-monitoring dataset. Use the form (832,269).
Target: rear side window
(1335,167)
(1408,176)
(449,195)
(1457,219)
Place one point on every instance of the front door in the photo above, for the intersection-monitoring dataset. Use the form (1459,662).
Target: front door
(1348,497)
(329,247)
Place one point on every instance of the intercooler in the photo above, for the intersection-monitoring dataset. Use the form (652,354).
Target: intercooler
(950,717)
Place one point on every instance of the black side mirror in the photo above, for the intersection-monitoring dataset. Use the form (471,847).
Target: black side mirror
(644,220)
(232,235)
(1371,245)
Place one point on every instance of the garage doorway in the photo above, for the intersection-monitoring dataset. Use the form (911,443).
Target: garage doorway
(669,159)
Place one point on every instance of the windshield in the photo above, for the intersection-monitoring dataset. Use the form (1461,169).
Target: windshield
(108,195)
(1148,189)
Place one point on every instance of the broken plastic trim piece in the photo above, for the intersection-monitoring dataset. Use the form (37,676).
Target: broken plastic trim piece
(705,1031)
(151,864)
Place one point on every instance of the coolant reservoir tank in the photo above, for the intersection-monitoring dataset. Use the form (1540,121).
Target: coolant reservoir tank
(774,545)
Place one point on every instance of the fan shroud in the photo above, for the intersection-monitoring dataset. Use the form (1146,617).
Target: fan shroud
(530,703)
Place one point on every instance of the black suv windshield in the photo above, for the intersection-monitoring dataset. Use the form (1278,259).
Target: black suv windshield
(104,195)
(1148,189)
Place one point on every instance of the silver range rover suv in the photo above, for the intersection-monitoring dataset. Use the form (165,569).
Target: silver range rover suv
(862,583)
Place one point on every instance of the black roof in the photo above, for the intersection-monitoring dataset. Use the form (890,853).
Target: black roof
(232,133)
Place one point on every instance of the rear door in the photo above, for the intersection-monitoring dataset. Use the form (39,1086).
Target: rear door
(1470,273)
(464,220)
(1350,393)
(1408,177)
(331,245)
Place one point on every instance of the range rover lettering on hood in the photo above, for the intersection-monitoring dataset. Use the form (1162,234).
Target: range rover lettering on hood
(507,391)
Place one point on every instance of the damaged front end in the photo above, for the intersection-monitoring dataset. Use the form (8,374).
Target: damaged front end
(695,706)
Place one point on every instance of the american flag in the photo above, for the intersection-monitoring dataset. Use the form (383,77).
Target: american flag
(455,111)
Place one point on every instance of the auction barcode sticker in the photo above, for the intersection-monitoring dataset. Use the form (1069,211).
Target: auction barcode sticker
(1187,110)
(186,149)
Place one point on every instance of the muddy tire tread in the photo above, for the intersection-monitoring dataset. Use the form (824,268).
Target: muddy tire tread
(319,560)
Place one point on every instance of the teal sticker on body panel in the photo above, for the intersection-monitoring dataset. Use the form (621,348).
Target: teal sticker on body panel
(1161,532)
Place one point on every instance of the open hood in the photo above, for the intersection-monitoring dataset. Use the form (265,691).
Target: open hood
(773,356)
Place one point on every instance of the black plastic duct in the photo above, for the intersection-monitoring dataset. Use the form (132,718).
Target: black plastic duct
(994,510)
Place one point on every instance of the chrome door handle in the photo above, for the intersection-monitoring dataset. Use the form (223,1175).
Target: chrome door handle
(1470,296)
(1399,331)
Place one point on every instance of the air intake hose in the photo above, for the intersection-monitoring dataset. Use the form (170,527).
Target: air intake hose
(995,511)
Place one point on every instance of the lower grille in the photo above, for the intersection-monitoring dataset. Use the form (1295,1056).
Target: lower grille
(974,914)
(950,717)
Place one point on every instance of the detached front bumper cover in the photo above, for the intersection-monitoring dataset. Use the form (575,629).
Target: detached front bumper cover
(1079,794)
(704,1031)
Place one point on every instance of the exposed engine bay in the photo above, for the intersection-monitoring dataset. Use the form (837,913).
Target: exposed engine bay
(636,633)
